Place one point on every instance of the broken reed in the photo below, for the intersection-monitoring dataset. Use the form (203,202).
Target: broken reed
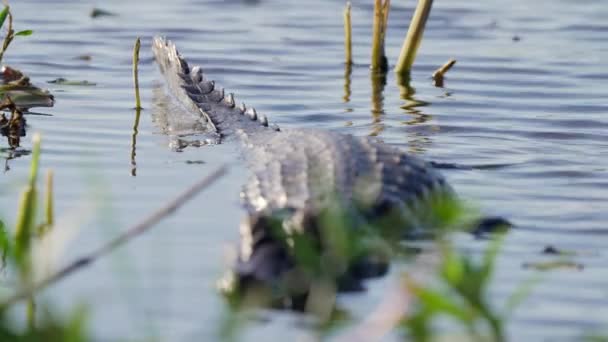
(348,35)
(136,72)
(379,60)
(440,73)
(413,37)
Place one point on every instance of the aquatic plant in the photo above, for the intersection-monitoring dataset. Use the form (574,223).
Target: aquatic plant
(337,254)
(439,74)
(413,38)
(128,235)
(348,35)
(136,72)
(10,34)
(17,252)
(381,11)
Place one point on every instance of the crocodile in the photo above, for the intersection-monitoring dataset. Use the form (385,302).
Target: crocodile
(298,177)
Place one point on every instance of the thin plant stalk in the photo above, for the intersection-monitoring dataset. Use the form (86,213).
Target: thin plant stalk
(48,202)
(136,72)
(413,37)
(26,213)
(31,313)
(9,33)
(348,34)
(143,226)
(379,61)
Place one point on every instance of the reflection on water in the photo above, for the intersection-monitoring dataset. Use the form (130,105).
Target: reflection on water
(9,154)
(348,71)
(378,83)
(184,128)
(134,141)
(13,128)
(417,140)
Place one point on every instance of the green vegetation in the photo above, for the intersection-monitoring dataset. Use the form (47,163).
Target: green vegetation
(18,250)
(10,34)
(324,265)
(136,72)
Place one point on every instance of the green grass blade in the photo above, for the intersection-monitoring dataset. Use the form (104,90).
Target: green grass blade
(3,15)
(35,160)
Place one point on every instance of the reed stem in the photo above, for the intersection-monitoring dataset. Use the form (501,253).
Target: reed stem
(379,61)
(348,35)
(26,213)
(48,203)
(413,37)
(440,73)
(136,72)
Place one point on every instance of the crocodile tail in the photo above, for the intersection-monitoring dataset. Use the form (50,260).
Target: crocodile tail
(194,90)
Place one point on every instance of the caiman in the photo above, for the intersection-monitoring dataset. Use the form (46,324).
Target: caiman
(298,177)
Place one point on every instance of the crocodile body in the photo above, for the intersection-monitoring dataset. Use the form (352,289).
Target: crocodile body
(296,174)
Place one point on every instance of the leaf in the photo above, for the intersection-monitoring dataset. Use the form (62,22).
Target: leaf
(5,243)
(452,268)
(489,259)
(3,15)
(24,33)
(437,302)
(521,293)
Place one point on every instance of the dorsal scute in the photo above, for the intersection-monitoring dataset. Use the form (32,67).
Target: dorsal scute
(191,87)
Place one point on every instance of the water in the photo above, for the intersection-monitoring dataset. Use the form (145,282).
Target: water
(527,116)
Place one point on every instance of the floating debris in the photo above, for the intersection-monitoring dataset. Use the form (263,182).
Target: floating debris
(195,162)
(63,81)
(17,95)
(491,225)
(84,57)
(98,12)
(14,127)
(552,250)
(551,265)
(23,94)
